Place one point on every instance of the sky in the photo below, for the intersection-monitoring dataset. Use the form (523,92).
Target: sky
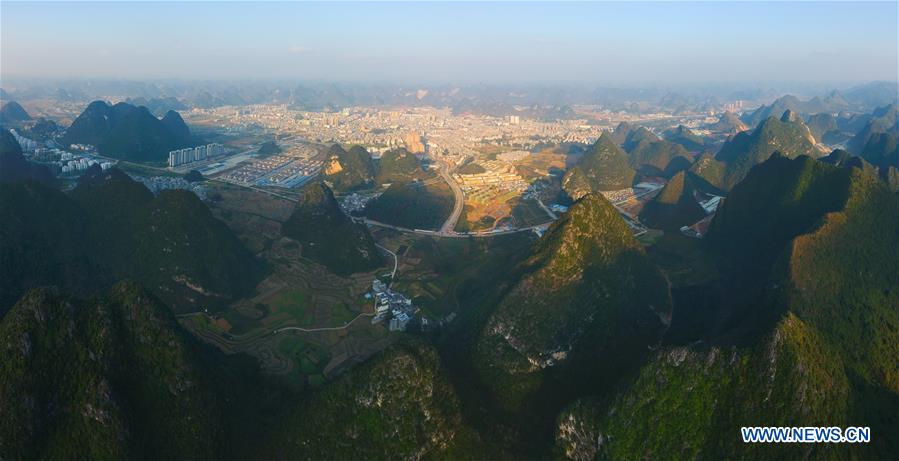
(452,42)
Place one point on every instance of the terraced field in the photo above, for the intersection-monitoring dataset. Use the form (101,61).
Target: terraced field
(296,293)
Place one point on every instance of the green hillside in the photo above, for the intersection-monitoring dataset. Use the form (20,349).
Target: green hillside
(399,165)
(111,377)
(659,158)
(13,113)
(111,227)
(637,136)
(603,167)
(674,207)
(398,405)
(708,174)
(805,333)
(787,135)
(14,167)
(587,290)
(882,150)
(882,120)
(686,138)
(328,236)
(413,205)
(268,148)
(39,251)
(822,126)
(621,132)
(729,122)
(170,243)
(349,170)
(128,132)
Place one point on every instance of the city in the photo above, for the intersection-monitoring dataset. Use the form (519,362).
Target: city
(486,231)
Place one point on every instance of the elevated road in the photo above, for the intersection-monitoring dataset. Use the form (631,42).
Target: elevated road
(460,235)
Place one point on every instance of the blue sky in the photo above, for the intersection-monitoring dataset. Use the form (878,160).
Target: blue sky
(459,42)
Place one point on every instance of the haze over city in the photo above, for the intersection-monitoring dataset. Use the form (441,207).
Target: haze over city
(627,43)
(449,231)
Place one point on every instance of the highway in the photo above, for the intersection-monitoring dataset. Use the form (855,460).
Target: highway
(450,224)
(445,231)
(372,222)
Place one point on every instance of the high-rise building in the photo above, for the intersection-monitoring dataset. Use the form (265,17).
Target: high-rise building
(194,154)
(414,143)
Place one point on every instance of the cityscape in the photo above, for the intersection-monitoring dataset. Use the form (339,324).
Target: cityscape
(449,231)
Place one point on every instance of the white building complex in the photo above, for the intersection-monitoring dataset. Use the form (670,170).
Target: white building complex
(195,154)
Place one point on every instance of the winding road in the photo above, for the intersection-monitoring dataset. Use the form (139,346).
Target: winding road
(395,261)
(450,223)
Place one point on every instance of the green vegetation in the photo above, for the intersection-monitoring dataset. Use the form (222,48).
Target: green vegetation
(586,290)
(399,165)
(603,167)
(128,132)
(399,405)
(113,377)
(637,136)
(882,150)
(111,227)
(328,236)
(823,125)
(659,158)
(268,149)
(787,135)
(685,138)
(295,303)
(708,174)
(470,168)
(453,275)
(14,167)
(527,212)
(13,113)
(349,170)
(729,122)
(882,120)
(806,330)
(414,205)
(310,359)
(674,207)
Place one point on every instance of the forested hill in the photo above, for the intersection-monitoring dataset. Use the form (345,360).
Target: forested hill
(128,132)
(111,227)
(806,330)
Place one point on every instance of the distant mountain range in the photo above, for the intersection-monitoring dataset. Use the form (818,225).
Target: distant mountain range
(532,101)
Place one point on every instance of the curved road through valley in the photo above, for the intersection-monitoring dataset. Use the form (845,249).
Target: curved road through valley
(395,261)
(450,224)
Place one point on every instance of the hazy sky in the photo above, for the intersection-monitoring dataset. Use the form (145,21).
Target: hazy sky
(439,42)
